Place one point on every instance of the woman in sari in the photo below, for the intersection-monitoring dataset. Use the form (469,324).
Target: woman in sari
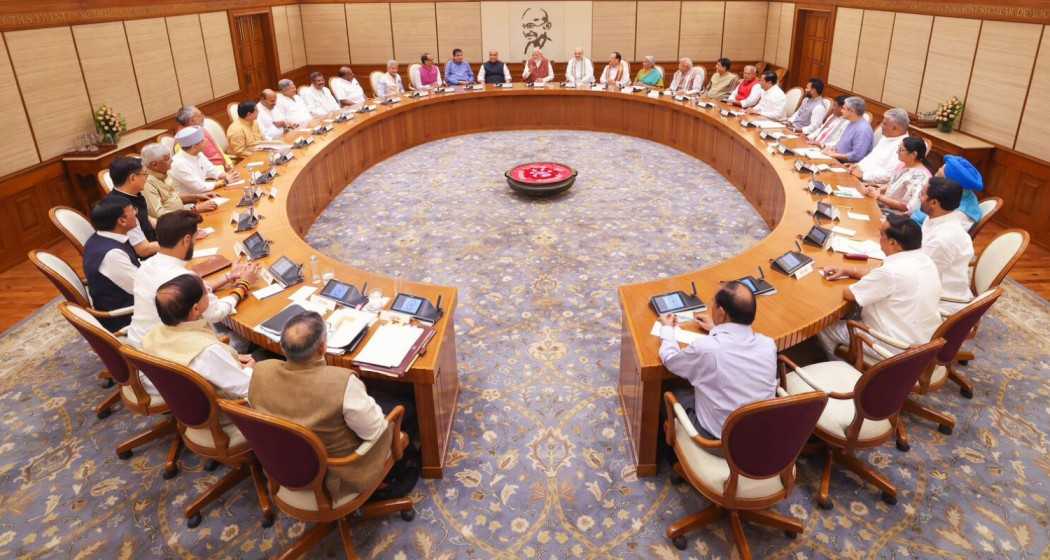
(903,191)
(649,75)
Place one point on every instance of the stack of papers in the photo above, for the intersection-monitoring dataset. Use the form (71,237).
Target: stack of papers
(389,346)
(681,335)
(869,248)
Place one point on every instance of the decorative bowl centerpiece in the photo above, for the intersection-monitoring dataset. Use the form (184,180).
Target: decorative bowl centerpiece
(541,178)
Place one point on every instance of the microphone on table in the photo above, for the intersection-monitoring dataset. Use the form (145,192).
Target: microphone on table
(761,273)
(798,246)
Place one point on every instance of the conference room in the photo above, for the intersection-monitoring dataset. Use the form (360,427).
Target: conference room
(493,279)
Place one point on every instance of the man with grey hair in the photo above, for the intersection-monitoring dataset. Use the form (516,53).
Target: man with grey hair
(191,172)
(290,107)
(189,116)
(688,79)
(161,196)
(879,165)
(346,89)
(857,138)
(318,98)
(579,70)
(270,128)
(389,84)
(331,401)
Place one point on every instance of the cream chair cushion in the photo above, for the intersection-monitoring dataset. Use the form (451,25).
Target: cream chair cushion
(994,258)
(75,223)
(838,377)
(62,268)
(413,76)
(129,395)
(217,133)
(203,437)
(305,499)
(792,99)
(713,471)
(231,110)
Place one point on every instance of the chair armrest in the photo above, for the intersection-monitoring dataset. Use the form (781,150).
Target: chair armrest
(884,338)
(122,312)
(683,418)
(950,299)
(788,362)
(393,423)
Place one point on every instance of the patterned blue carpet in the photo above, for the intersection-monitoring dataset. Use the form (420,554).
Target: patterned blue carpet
(538,466)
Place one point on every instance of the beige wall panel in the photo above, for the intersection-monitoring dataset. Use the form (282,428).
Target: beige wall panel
(612,30)
(872,53)
(219,47)
(295,35)
(658,28)
(579,17)
(17,151)
(701,34)
(324,27)
(154,68)
(371,41)
(281,37)
(844,47)
(745,29)
(108,72)
(1035,123)
(459,26)
(495,33)
(772,32)
(952,46)
(1001,70)
(415,30)
(911,39)
(787,23)
(191,64)
(45,61)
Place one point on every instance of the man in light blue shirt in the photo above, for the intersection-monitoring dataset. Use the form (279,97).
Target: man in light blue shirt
(457,70)
(730,367)
(858,138)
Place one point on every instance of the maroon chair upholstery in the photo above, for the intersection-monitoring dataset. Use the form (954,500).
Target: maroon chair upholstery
(129,390)
(204,430)
(296,462)
(760,443)
(863,408)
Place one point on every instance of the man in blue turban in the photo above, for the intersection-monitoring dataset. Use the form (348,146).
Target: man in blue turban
(963,172)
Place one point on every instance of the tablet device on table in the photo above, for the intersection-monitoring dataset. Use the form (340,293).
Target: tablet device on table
(286,272)
(417,307)
(676,302)
(791,261)
(817,236)
(343,293)
(256,246)
(758,286)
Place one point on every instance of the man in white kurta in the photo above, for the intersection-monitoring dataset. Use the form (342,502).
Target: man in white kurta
(771,104)
(318,98)
(881,163)
(270,129)
(688,79)
(579,70)
(617,71)
(947,242)
(389,84)
(290,108)
(192,172)
(346,88)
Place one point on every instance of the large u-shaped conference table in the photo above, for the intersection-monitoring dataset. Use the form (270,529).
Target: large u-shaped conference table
(306,185)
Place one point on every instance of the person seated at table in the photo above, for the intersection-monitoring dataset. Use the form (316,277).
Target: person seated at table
(857,138)
(898,299)
(810,114)
(538,69)
(879,165)
(617,71)
(329,400)
(579,70)
(960,170)
(110,262)
(318,98)
(389,84)
(185,337)
(947,242)
(771,104)
(192,172)
(346,88)
(244,133)
(271,129)
(649,75)
(129,179)
(190,116)
(747,92)
(457,70)
(161,195)
(729,367)
(904,189)
(428,75)
(493,71)
(290,108)
(723,82)
(834,125)
(688,79)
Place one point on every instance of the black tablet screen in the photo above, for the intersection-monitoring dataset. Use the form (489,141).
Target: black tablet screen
(669,302)
(336,290)
(789,261)
(282,266)
(747,281)
(407,304)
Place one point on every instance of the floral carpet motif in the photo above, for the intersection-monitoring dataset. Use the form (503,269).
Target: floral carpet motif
(538,466)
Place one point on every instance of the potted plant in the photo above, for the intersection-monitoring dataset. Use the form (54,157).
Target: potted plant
(109,124)
(948,114)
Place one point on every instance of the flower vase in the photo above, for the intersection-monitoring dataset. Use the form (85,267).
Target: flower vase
(945,126)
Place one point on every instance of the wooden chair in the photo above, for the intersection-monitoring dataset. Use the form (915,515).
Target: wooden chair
(863,409)
(203,429)
(373,80)
(168,141)
(760,443)
(70,284)
(73,225)
(217,133)
(295,461)
(105,183)
(989,207)
(231,111)
(413,77)
(130,391)
(794,99)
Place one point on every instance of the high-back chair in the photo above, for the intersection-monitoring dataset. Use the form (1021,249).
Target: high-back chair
(989,207)
(862,410)
(793,98)
(760,443)
(130,391)
(231,110)
(70,284)
(413,76)
(168,141)
(217,133)
(997,259)
(203,429)
(73,225)
(295,461)
(373,80)
(105,182)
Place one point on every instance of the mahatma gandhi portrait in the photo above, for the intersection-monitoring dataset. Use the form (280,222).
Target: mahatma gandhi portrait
(535,23)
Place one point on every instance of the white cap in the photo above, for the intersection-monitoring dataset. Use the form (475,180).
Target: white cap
(189,136)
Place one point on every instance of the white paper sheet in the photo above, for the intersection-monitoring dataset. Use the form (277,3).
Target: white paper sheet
(681,335)
(200,253)
(389,345)
(846,192)
(272,289)
(859,217)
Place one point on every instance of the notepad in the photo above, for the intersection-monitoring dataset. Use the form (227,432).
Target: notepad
(766,123)
(389,346)
(303,293)
(869,248)
(219,200)
(200,253)
(272,289)
(859,217)
(847,192)
(681,335)
(844,231)
(207,231)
